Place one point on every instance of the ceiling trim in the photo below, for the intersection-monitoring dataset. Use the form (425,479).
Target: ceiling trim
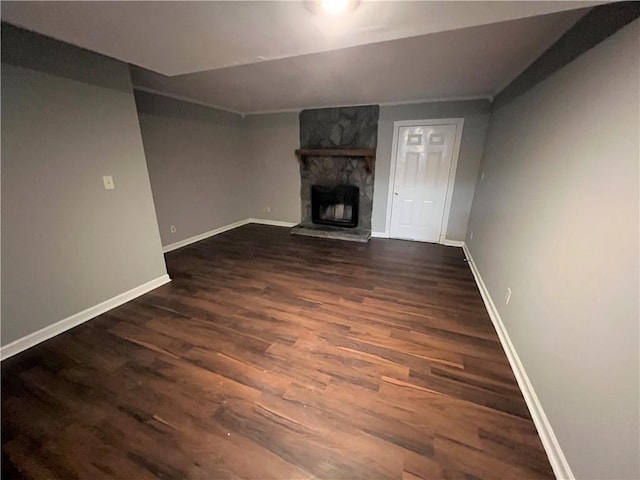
(466,98)
(382,104)
(185,99)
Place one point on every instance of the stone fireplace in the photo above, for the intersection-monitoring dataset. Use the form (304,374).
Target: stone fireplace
(337,154)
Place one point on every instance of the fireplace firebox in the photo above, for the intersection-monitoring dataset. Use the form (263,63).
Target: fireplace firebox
(335,205)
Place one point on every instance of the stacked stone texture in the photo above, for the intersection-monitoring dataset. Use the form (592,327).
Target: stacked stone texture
(342,127)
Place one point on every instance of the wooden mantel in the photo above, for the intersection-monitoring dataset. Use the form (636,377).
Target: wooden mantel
(368,154)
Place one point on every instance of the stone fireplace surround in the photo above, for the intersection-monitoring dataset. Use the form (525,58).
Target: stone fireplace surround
(343,128)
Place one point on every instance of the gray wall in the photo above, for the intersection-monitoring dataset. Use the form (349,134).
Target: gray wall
(197,162)
(598,23)
(272,138)
(275,177)
(556,220)
(69,118)
(476,118)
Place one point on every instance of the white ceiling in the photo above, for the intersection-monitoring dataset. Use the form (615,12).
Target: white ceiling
(275,55)
(474,62)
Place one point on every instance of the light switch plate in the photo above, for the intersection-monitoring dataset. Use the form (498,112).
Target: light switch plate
(108,182)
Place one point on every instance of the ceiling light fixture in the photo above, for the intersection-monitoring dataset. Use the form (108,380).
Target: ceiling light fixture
(334,7)
(330,8)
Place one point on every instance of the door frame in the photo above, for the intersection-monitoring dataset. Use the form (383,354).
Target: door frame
(459,123)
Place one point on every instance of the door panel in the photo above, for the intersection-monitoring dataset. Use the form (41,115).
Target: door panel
(423,162)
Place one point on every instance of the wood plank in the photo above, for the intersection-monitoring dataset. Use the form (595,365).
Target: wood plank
(275,356)
(368,154)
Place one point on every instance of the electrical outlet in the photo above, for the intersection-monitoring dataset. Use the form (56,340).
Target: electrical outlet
(172,228)
(108,182)
(268,209)
(507,297)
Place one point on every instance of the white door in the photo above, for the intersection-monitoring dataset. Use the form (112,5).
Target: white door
(423,162)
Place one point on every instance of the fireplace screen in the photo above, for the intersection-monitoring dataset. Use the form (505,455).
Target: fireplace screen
(336,205)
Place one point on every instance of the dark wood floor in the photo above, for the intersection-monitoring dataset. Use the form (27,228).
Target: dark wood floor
(277,356)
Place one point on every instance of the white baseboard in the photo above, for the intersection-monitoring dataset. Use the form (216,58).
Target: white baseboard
(202,236)
(550,443)
(65,324)
(275,223)
(451,243)
(224,228)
